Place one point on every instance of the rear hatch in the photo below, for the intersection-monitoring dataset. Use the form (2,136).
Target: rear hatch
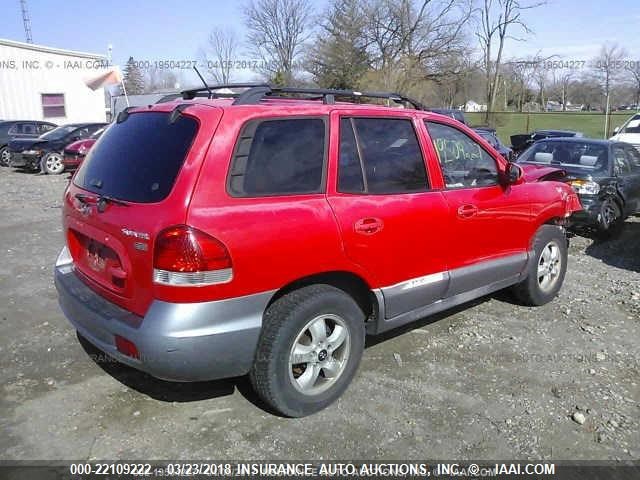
(136,181)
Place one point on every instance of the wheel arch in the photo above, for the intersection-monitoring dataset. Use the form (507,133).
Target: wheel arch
(350,283)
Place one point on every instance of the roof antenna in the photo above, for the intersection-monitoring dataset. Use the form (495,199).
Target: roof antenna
(204,82)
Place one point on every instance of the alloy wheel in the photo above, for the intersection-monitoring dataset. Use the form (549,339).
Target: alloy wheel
(319,354)
(549,266)
(53,163)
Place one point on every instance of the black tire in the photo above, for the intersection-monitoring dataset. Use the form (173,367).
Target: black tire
(4,156)
(284,325)
(610,220)
(535,289)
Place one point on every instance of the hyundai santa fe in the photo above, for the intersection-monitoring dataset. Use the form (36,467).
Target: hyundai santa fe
(267,231)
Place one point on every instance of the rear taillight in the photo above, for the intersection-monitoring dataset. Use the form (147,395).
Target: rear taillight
(184,256)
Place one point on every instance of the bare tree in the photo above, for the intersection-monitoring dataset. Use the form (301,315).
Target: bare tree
(157,79)
(220,53)
(497,19)
(412,41)
(277,30)
(606,67)
(633,72)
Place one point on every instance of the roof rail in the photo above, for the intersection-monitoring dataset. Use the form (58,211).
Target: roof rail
(256,92)
(193,92)
(329,95)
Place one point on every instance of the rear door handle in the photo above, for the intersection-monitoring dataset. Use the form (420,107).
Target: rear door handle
(466,211)
(368,226)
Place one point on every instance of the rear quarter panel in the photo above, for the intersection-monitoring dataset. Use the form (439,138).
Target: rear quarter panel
(272,241)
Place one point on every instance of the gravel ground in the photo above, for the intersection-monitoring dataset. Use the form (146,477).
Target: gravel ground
(490,380)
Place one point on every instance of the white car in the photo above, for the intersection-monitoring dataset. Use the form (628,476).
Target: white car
(629,132)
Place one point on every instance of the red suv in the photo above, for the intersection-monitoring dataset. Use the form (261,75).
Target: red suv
(268,232)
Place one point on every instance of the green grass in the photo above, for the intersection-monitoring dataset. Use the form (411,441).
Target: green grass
(589,123)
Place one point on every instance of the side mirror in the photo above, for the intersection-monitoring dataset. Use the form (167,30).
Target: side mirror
(513,174)
(616,130)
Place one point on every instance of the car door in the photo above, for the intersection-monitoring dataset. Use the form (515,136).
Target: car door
(393,225)
(626,168)
(491,224)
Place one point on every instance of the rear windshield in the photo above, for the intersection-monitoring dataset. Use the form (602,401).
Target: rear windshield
(138,160)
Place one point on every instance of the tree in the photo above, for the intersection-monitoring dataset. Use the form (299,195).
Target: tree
(157,79)
(410,42)
(633,72)
(339,58)
(607,72)
(497,19)
(132,78)
(220,53)
(277,30)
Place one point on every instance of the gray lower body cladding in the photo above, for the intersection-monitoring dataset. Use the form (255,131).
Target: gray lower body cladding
(178,342)
(418,298)
(218,339)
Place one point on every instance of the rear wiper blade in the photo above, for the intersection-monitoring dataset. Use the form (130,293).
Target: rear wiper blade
(115,201)
(83,198)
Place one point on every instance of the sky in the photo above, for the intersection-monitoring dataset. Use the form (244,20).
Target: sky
(177,30)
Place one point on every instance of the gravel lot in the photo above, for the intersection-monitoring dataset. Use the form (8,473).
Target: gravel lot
(490,380)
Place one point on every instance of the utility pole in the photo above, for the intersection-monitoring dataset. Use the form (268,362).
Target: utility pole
(26,21)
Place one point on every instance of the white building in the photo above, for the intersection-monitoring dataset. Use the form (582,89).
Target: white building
(472,106)
(43,83)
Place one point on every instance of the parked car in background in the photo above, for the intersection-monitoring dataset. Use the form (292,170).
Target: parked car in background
(10,130)
(629,132)
(604,173)
(520,142)
(75,152)
(490,135)
(45,152)
(262,235)
(454,113)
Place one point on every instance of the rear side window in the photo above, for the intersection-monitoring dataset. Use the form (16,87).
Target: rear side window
(138,160)
(380,156)
(279,157)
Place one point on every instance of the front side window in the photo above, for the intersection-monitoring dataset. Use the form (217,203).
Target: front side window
(380,156)
(464,163)
(279,157)
(53,105)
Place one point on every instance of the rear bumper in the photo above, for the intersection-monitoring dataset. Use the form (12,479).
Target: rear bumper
(177,342)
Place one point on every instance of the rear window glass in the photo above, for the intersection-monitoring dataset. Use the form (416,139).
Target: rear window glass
(138,160)
(279,157)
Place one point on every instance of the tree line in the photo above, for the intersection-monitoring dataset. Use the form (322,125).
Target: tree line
(441,52)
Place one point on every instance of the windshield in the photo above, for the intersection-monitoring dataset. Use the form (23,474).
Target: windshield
(489,137)
(588,156)
(632,125)
(97,133)
(58,133)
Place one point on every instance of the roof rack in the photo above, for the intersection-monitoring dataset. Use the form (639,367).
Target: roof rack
(256,92)
(193,92)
